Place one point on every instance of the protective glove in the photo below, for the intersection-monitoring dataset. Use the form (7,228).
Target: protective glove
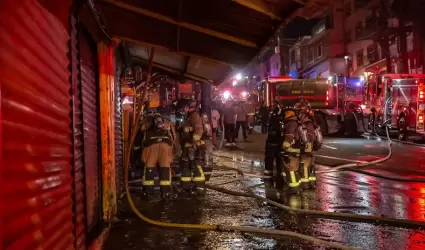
(286,145)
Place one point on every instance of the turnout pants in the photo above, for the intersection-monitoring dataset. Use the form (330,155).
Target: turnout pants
(272,155)
(192,172)
(160,154)
(292,176)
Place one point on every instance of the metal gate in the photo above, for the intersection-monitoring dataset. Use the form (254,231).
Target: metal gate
(36,164)
(90,110)
(79,181)
(118,127)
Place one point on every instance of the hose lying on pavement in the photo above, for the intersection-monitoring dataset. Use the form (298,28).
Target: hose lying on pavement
(222,228)
(330,215)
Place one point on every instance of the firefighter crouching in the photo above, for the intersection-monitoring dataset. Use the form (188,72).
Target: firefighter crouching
(274,149)
(291,147)
(157,151)
(191,133)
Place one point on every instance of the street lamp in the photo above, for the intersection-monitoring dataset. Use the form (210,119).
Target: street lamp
(239,76)
(347,57)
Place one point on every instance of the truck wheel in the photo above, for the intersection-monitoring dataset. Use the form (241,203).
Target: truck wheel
(321,122)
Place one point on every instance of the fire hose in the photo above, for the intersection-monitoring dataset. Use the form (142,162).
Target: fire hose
(208,227)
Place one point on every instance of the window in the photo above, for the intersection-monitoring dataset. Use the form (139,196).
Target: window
(319,50)
(347,8)
(371,53)
(310,54)
(359,56)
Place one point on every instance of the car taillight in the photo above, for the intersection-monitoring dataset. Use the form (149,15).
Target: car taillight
(421,118)
(421,95)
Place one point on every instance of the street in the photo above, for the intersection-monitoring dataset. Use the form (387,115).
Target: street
(343,191)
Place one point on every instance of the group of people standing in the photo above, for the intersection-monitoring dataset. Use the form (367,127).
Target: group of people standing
(230,118)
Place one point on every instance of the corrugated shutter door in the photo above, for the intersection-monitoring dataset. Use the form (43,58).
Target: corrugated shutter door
(118,127)
(90,129)
(79,195)
(37,138)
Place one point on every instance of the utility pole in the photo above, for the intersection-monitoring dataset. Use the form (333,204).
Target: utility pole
(383,33)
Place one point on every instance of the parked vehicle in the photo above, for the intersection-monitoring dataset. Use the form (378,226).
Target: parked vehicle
(399,102)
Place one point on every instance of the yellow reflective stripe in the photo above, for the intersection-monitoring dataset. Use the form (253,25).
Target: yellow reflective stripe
(136,148)
(148,183)
(196,137)
(165,183)
(199,178)
(304,180)
(306,173)
(312,178)
(294,182)
(268,171)
(283,174)
(294,150)
(185,179)
(188,145)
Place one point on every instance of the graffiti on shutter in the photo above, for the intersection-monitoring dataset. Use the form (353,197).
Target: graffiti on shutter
(79,185)
(36,129)
(90,128)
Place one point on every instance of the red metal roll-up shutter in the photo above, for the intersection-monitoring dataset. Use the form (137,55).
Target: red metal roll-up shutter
(36,194)
(118,127)
(79,190)
(89,90)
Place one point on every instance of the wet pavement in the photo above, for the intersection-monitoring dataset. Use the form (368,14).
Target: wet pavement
(347,191)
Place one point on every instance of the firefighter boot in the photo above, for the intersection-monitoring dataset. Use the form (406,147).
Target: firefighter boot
(198,178)
(294,182)
(312,176)
(304,171)
(186,175)
(165,182)
(148,182)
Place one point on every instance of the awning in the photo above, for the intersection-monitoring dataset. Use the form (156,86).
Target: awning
(201,39)
(376,67)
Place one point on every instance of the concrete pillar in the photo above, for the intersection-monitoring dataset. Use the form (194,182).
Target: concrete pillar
(206,99)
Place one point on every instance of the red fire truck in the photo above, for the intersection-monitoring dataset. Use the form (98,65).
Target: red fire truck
(399,102)
(327,97)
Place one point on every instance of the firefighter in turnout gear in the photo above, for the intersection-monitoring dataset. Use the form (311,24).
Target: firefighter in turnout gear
(274,147)
(158,140)
(307,169)
(191,136)
(291,147)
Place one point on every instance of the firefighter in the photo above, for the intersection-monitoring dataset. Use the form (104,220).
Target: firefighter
(157,151)
(191,136)
(203,153)
(274,147)
(291,147)
(307,169)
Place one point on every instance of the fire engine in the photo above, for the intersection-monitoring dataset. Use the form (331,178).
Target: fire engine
(399,103)
(327,97)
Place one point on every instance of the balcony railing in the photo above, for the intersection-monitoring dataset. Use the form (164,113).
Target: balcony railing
(373,27)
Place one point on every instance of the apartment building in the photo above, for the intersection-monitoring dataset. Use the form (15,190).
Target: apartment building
(366,28)
(321,54)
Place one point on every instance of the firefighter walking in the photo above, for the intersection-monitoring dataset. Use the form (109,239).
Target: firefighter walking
(291,147)
(192,142)
(157,151)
